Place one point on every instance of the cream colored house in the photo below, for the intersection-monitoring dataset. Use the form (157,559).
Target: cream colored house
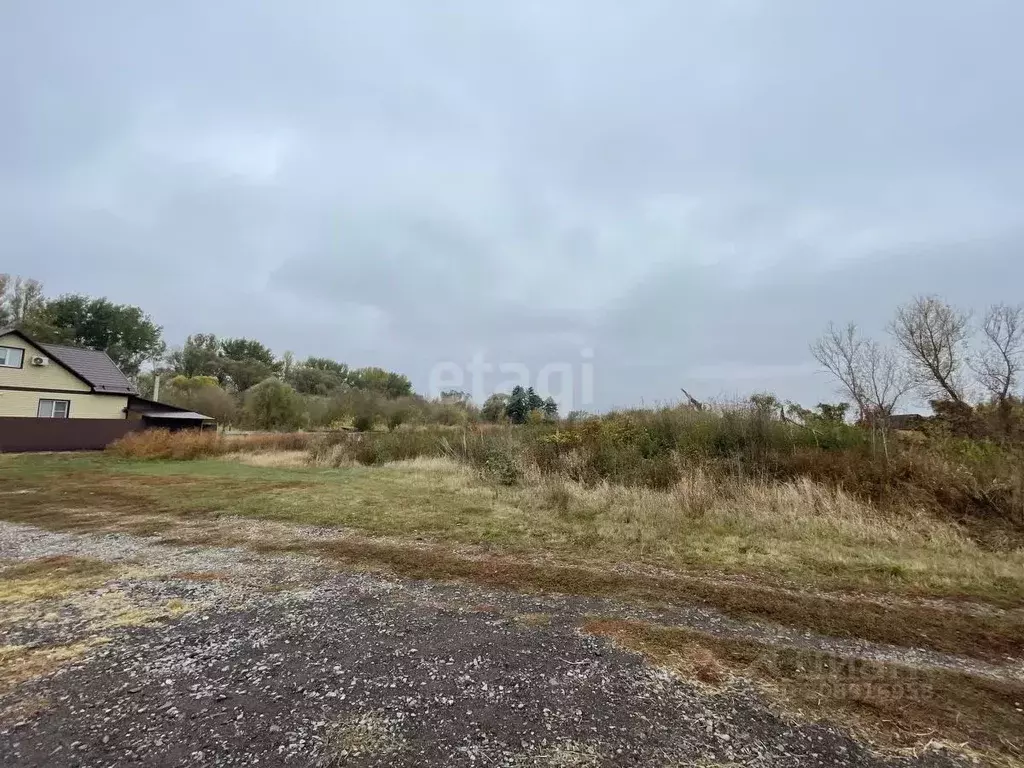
(51,381)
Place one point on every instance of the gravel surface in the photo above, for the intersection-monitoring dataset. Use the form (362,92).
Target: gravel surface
(209,656)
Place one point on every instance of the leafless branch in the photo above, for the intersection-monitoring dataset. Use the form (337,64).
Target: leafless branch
(871,374)
(884,377)
(998,365)
(933,335)
(839,351)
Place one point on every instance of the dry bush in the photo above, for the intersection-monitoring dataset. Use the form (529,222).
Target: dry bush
(472,445)
(193,444)
(978,483)
(163,444)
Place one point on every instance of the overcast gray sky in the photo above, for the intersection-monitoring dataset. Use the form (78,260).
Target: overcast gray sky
(690,189)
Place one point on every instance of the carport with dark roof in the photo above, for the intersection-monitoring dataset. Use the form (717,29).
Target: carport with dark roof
(165,416)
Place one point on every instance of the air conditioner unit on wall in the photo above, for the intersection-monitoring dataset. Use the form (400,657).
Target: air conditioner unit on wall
(40,360)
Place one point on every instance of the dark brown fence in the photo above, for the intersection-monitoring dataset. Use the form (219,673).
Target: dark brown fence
(18,434)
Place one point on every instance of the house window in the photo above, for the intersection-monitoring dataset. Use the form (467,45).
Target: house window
(54,409)
(11,357)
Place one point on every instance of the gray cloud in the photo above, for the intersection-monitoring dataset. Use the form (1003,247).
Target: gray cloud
(692,190)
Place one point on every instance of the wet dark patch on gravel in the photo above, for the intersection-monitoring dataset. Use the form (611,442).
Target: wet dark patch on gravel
(357,672)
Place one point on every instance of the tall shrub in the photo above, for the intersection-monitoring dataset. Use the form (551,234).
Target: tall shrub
(272,404)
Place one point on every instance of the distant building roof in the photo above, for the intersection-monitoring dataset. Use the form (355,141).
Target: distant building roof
(93,365)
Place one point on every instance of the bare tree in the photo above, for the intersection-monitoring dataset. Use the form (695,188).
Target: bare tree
(933,334)
(998,365)
(885,378)
(840,351)
(869,373)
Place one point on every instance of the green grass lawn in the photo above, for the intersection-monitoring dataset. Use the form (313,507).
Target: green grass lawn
(790,536)
(770,551)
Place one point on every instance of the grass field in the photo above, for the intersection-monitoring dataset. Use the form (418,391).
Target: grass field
(797,554)
(793,553)
(798,533)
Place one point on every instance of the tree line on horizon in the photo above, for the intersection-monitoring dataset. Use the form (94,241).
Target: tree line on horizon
(240,380)
(968,368)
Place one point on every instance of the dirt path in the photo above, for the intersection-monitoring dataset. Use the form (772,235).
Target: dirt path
(214,656)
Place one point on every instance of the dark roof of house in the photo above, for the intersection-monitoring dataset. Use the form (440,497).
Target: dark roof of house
(92,366)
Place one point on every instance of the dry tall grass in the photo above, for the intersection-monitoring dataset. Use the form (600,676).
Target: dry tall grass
(976,482)
(193,444)
(799,529)
(979,488)
(742,459)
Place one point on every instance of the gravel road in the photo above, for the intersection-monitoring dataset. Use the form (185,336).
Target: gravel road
(209,656)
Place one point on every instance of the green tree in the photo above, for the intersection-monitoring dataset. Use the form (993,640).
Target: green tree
(315,381)
(551,408)
(523,402)
(247,350)
(494,407)
(198,357)
(517,408)
(388,383)
(287,365)
(201,394)
(123,331)
(328,365)
(192,383)
(244,374)
(272,404)
(534,401)
(833,413)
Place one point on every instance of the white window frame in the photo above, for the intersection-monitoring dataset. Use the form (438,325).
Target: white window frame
(48,409)
(5,357)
